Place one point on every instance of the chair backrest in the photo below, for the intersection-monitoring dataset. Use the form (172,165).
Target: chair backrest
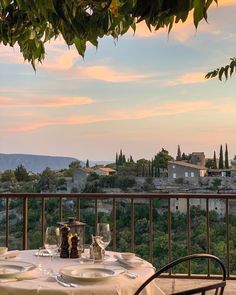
(218,287)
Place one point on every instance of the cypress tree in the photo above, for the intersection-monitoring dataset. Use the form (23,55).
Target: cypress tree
(131,159)
(152,168)
(143,172)
(116,159)
(226,157)
(123,159)
(149,168)
(215,161)
(178,157)
(120,159)
(221,160)
(87,163)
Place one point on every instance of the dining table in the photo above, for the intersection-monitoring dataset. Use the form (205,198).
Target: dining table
(36,281)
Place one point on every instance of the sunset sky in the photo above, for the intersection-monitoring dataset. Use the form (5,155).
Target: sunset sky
(139,94)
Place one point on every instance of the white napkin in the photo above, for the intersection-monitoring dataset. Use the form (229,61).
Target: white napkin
(9,254)
(134,262)
(28,275)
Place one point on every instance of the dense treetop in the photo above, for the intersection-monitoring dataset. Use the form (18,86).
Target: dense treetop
(31,24)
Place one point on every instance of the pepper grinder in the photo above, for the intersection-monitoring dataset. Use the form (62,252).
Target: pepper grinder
(64,253)
(74,253)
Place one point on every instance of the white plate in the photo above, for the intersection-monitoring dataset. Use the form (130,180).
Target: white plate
(91,272)
(10,269)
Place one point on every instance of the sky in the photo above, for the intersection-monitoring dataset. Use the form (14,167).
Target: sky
(141,94)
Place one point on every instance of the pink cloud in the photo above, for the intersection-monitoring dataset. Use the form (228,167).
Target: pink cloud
(109,74)
(49,103)
(189,78)
(141,112)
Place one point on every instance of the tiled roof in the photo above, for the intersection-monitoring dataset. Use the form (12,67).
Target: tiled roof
(107,169)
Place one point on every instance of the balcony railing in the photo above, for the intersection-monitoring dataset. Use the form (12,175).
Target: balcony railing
(159,227)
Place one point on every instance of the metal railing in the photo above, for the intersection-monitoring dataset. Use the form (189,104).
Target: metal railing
(218,210)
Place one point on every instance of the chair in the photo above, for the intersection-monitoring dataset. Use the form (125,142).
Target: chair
(218,287)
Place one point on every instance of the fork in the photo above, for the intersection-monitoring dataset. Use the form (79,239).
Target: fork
(62,281)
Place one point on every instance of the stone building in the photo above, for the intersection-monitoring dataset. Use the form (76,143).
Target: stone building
(198,158)
(79,178)
(180,169)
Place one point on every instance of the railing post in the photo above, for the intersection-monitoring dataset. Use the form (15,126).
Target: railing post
(78,208)
(25,223)
(227,238)
(208,234)
(42,220)
(114,223)
(132,225)
(189,235)
(96,214)
(7,222)
(169,232)
(60,208)
(150,231)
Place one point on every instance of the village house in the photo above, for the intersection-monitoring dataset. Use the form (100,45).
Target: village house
(181,169)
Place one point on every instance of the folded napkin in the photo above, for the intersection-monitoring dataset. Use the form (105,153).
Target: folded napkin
(134,262)
(28,275)
(9,254)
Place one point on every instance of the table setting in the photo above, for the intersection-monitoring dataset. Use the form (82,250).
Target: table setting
(89,270)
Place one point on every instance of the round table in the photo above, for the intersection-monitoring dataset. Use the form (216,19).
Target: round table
(43,285)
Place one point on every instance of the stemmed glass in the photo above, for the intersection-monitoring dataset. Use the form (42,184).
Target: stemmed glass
(52,240)
(103,230)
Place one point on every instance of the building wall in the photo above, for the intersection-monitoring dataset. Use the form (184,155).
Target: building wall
(198,159)
(217,205)
(177,171)
(79,179)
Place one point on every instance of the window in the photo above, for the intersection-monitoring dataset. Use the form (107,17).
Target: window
(174,175)
(202,173)
(192,174)
(186,174)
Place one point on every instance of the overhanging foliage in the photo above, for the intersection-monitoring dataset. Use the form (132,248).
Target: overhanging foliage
(226,71)
(31,24)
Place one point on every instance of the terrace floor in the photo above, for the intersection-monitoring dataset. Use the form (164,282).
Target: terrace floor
(171,285)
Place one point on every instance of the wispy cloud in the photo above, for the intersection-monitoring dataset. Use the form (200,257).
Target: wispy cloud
(189,78)
(45,103)
(141,112)
(109,74)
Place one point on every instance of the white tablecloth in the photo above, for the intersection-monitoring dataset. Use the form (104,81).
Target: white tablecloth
(44,285)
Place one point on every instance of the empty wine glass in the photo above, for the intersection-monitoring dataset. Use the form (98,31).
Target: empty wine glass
(103,230)
(52,240)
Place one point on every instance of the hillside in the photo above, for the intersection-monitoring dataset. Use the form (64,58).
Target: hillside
(34,163)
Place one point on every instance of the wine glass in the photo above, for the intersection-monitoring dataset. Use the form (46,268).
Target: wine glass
(103,230)
(52,240)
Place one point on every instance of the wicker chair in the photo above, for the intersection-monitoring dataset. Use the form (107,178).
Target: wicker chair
(218,287)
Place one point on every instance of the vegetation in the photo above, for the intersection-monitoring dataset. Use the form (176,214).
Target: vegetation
(221,160)
(31,24)
(225,71)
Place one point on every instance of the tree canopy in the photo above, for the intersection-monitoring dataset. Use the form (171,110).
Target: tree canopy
(31,24)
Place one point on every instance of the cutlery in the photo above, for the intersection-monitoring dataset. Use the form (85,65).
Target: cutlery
(130,274)
(60,280)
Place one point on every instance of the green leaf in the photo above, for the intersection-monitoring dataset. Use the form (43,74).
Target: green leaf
(198,13)
(221,72)
(80,45)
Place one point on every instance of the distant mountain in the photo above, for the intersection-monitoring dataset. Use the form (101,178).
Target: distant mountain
(34,163)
